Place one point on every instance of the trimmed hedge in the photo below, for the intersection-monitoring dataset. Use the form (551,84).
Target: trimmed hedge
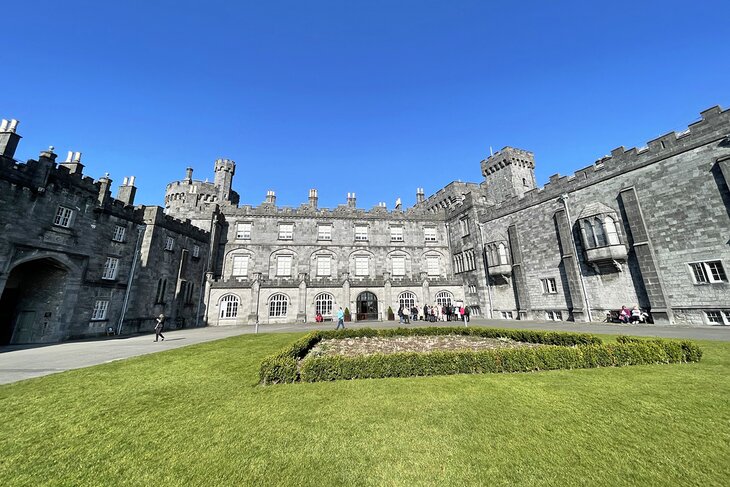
(562,351)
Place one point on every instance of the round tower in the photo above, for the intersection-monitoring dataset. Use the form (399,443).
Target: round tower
(224,171)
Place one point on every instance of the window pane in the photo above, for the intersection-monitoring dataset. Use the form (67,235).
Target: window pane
(240,265)
(699,272)
(430,233)
(361,232)
(324,232)
(286,231)
(399,266)
(283,265)
(432,263)
(396,234)
(324,267)
(243,231)
(716,271)
(361,266)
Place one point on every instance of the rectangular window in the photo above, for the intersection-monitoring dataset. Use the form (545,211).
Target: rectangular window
(554,315)
(361,232)
(710,272)
(361,266)
(160,294)
(110,268)
(100,309)
(548,286)
(464,226)
(187,291)
(430,234)
(63,217)
(240,265)
(286,231)
(433,266)
(324,265)
(396,234)
(196,251)
(283,265)
(119,233)
(324,232)
(399,266)
(169,243)
(714,317)
(243,231)
(506,315)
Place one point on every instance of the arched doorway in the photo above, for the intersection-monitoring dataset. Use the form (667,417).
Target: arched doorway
(367,306)
(31,302)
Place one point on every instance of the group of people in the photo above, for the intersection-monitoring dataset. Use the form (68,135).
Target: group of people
(433,313)
(634,315)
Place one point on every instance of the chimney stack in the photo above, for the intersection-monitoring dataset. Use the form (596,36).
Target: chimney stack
(398,204)
(271,197)
(419,195)
(313,198)
(127,191)
(105,192)
(189,174)
(8,138)
(351,201)
(73,163)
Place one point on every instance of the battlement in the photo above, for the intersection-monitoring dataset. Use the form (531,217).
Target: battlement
(226,165)
(714,125)
(506,157)
(451,195)
(154,215)
(342,211)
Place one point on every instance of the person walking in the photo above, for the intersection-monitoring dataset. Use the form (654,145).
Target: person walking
(340,319)
(158,327)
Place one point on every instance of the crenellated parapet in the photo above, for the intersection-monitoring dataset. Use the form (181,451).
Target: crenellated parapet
(154,215)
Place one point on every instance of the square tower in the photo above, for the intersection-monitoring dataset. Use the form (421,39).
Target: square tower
(508,173)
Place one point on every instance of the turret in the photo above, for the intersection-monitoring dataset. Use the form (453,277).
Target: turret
(8,138)
(508,173)
(224,171)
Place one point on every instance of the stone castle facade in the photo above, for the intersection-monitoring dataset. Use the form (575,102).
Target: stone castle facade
(647,227)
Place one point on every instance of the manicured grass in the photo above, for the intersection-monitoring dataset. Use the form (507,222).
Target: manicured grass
(196,416)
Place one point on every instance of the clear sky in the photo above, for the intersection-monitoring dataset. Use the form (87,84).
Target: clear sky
(375,97)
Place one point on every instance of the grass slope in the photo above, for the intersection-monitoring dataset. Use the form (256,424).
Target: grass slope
(195,416)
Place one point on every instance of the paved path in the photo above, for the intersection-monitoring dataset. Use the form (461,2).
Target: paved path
(18,363)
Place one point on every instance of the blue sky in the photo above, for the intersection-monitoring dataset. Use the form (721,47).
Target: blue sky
(375,97)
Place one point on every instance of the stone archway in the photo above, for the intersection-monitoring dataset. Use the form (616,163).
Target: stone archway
(31,302)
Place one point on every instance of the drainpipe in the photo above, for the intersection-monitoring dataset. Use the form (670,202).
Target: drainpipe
(140,230)
(564,199)
(200,293)
(486,270)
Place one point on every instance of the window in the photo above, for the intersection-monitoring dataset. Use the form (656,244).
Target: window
(407,299)
(110,268)
(430,234)
(611,232)
(196,251)
(399,265)
(324,265)
(188,288)
(283,265)
(361,266)
(548,286)
(502,253)
(554,315)
(472,289)
(323,303)
(243,231)
(590,237)
(443,298)
(464,222)
(99,312)
(506,315)
(119,233)
(361,232)
(599,233)
(229,306)
(240,265)
(324,232)
(169,243)
(278,304)
(286,231)
(63,217)
(433,266)
(160,294)
(396,234)
(710,272)
(714,317)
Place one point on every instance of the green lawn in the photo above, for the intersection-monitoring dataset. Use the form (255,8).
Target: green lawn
(195,416)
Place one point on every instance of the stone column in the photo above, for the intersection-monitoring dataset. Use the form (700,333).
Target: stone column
(255,293)
(425,289)
(571,267)
(346,294)
(519,285)
(302,311)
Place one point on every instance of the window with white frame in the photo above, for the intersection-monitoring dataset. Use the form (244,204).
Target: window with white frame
(283,265)
(119,233)
(408,300)
(396,234)
(324,231)
(100,308)
(443,298)
(63,217)
(464,222)
(196,251)
(609,226)
(710,272)
(715,317)
(361,266)
(243,231)
(229,306)
(361,232)
(472,289)
(240,265)
(549,286)
(111,265)
(278,304)
(286,231)
(169,243)
(502,254)
(323,303)
(506,315)
(399,265)
(324,265)
(430,234)
(554,315)
(433,265)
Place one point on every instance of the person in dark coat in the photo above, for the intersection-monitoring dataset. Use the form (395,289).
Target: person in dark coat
(158,327)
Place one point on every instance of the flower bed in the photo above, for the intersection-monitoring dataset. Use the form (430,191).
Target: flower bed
(556,351)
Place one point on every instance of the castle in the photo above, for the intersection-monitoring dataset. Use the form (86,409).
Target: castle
(648,226)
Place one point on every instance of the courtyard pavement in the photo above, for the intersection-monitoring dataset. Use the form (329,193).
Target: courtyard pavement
(25,362)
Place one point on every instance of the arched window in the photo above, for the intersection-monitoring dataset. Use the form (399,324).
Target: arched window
(407,299)
(611,233)
(443,298)
(590,237)
(323,304)
(502,254)
(278,303)
(598,230)
(229,306)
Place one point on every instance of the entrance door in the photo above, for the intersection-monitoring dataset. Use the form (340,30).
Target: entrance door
(367,306)
(24,327)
